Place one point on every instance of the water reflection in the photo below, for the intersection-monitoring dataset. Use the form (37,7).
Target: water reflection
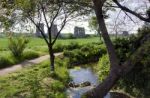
(79,76)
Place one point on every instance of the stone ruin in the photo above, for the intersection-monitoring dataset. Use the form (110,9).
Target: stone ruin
(79,32)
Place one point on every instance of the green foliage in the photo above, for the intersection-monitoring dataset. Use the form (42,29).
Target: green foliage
(93,24)
(103,67)
(17,45)
(136,82)
(123,48)
(139,77)
(72,45)
(38,43)
(30,54)
(58,86)
(58,47)
(35,82)
(87,53)
(4,62)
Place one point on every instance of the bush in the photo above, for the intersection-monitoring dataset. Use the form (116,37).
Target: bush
(58,86)
(17,45)
(72,45)
(137,81)
(139,77)
(4,62)
(58,47)
(87,53)
(30,54)
(123,48)
(103,67)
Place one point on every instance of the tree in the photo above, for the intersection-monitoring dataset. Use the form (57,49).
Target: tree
(117,69)
(48,12)
(93,24)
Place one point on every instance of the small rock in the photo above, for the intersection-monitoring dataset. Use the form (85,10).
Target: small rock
(84,84)
(72,84)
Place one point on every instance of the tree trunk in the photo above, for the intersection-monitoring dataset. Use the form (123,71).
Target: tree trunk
(102,89)
(110,48)
(52,58)
(115,70)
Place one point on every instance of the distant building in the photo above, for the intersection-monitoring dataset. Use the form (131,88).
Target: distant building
(79,32)
(125,33)
(38,32)
(54,30)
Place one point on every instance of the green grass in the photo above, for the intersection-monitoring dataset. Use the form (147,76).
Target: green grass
(35,48)
(35,42)
(7,59)
(36,82)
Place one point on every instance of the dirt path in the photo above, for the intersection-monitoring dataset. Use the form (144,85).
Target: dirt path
(25,64)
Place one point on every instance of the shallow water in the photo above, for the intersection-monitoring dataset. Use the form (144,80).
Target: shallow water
(79,76)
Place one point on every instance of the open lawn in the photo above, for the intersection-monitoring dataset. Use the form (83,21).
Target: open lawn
(40,42)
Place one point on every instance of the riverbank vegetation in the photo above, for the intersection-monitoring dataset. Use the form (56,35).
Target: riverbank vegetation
(137,81)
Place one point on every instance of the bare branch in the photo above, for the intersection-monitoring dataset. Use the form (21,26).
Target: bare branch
(52,22)
(129,17)
(131,12)
(64,22)
(37,26)
(44,14)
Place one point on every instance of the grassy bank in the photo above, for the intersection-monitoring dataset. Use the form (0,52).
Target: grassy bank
(36,82)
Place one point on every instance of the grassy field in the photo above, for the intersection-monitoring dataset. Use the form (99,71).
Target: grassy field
(40,42)
(36,82)
(35,48)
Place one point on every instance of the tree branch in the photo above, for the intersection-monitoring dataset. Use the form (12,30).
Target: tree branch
(52,22)
(64,22)
(30,18)
(131,12)
(44,14)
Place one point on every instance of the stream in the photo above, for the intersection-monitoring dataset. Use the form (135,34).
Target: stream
(81,75)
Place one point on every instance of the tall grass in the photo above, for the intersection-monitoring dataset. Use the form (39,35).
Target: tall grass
(35,82)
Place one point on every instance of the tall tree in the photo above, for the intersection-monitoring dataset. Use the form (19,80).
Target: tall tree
(117,69)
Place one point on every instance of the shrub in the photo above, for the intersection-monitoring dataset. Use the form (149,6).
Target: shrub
(87,53)
(58,47)
(17,45)
(136,82)
(72,45)
(4,62)
(103,67)
(57,86)
(30,54)
(42,49)
(123,48)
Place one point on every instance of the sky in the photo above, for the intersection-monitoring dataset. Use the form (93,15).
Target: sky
(117,21)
